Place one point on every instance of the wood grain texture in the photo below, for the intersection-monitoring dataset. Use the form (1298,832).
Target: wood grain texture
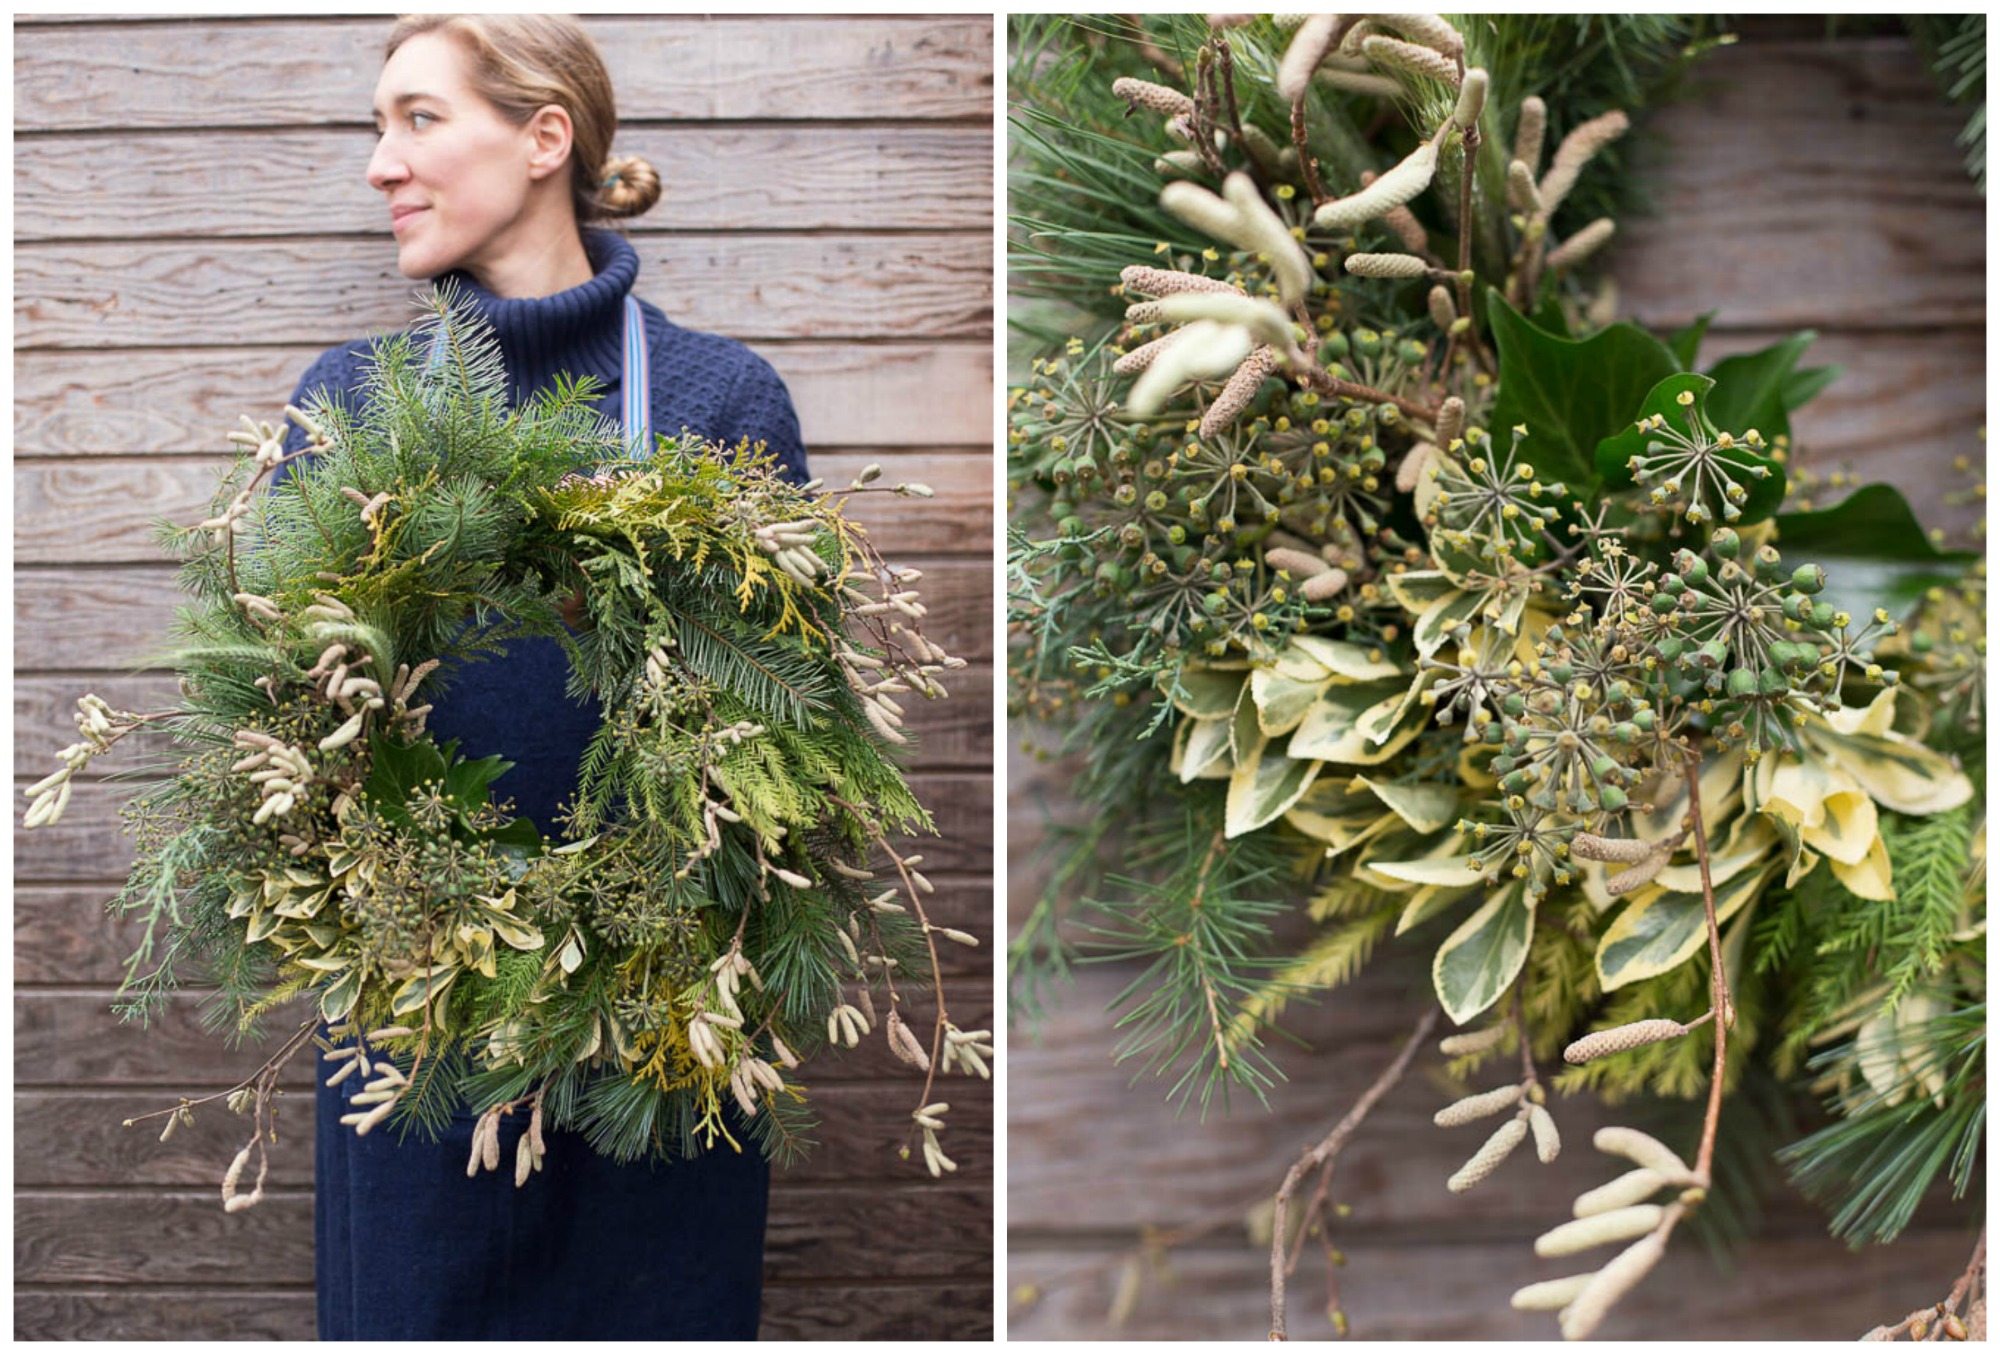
(828,196)
(1801,184)
(80,1136)
(845,176)
(326,291)
(184,1238)
(105,509)
(1807,183)
(802,1312)
(887,395)
(321,72)
(72,616)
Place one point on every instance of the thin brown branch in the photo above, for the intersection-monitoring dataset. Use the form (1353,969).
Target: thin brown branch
(1718,980)
(1322,1154)
(1308,166)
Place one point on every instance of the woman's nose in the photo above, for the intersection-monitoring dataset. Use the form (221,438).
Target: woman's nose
(385,168)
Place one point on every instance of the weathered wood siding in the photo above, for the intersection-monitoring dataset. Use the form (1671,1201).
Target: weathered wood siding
(1799,184)
(192,227)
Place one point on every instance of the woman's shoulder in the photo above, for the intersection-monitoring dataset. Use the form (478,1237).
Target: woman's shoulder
(335,374)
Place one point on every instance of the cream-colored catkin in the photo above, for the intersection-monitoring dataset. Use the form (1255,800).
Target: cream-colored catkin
(1402,222)
(1167,281)
(1394,266)
(1522,195)
(1478,1106)
(1629,879)
(1299,564)
(1409,178)
(1643,1149)
(1262,231)
(1360,82)
(1309,46)
(1324,587)
(1432,30)
(1547,1141)
(1411,58)
(1609,1285)
(1591,847)
(1409,474)
(1528,130)
(1471,99)
(1146,94)
(1618,1039)
(1140,358)
(1262,318)
(1201,209)
(1583,244)
(1491,1154)
(1444,311)
(1238,391)
(1186,163)
(1575,152)
(1203,350)
(1450,421)
(1550,1295)
(1597,1230)
(1471,1041)
(1634,1187)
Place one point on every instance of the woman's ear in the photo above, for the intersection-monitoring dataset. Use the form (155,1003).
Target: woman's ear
(550,136)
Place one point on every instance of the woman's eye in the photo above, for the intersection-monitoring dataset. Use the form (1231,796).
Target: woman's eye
(431,117)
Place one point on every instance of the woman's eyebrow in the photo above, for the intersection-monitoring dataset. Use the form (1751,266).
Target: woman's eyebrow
(403,99)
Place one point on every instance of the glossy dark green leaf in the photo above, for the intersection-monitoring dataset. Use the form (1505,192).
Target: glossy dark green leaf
(1874,551)
(1571,393)
(1750,388)
(1685,343)
(1614,454)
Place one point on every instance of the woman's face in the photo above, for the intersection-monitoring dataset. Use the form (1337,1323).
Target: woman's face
(457,175)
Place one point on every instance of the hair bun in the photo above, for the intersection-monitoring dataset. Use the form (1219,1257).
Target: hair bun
(628,186)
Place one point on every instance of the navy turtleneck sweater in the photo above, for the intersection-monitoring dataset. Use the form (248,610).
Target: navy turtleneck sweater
(515,705)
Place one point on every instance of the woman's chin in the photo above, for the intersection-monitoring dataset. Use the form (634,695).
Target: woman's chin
(417,261)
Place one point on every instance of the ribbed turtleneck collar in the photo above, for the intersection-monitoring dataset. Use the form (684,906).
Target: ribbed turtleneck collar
(580,331)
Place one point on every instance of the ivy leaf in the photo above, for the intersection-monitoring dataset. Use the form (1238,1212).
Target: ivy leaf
(1685,343)
(1476,963)
(1751,388)
(1614,454)
(1572,393)
(1873,550)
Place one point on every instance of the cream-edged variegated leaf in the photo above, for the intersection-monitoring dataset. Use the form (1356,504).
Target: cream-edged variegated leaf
(1439,619)
(1204,749)
(1283,698)
(339,998)
(1445,870)
(1206,693)
(1424,805)
(1661,928)
(1899,773)
(1347,661)
(1416,589)
(1263,786)
(1426,904)
(1870,877)
(1721,791)
(1332,729)
(1752,839)
(1476,963)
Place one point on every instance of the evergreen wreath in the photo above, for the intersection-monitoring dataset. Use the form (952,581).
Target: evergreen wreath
(1375,573)
(710,917)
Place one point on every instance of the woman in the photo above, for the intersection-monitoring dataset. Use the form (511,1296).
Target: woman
(493,158)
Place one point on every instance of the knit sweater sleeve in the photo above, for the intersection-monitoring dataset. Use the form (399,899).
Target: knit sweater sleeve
(759,407)
(336,372)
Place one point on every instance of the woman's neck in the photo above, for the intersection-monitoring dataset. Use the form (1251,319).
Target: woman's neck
(539,258)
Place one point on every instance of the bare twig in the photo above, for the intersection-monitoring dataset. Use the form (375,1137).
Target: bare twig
(1725,1009)
(1322,1154)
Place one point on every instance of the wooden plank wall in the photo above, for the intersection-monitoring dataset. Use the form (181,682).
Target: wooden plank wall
(192,227)
(1801,183)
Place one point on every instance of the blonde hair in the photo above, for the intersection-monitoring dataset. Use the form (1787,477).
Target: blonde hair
(523,62)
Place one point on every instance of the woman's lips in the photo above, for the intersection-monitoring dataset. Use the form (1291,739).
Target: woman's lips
(400,219)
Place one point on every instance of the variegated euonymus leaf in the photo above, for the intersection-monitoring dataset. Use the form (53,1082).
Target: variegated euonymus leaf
(1476,963)
(1662,928)
(1264,785)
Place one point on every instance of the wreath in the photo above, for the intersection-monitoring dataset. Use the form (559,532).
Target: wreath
(1379,579)
(727,896)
